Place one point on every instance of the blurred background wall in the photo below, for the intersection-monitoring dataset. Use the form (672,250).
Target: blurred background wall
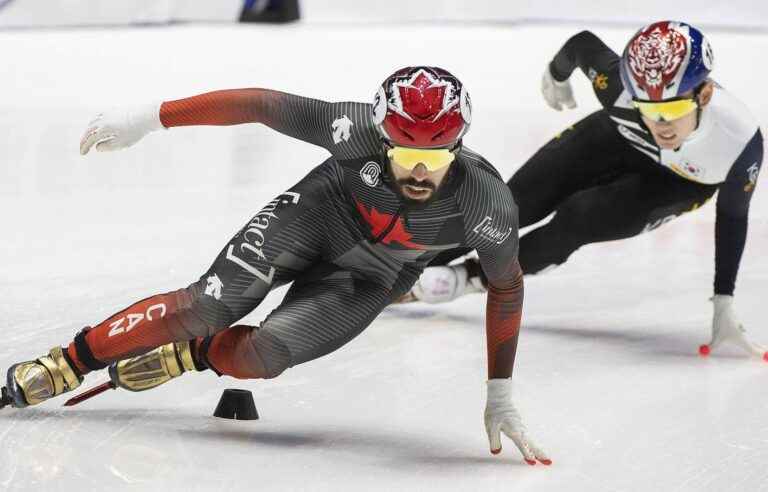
(751,14)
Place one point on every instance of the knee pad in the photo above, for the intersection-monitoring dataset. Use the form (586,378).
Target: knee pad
(244,353)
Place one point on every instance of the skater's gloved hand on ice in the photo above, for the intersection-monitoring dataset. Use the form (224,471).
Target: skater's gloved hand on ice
(727,328)
(556,94)
(120,128)
(502,416)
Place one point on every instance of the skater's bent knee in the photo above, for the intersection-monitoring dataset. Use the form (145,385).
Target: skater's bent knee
(244,353)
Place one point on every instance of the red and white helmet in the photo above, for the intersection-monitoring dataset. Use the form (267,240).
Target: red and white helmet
(422,107)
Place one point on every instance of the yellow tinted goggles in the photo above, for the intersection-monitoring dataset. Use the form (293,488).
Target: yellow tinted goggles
(666,110)
(433,159)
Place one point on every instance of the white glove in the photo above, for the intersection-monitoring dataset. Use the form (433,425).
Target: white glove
(502,416)
(445,283)
(120,128)
(556,94)
(727,328)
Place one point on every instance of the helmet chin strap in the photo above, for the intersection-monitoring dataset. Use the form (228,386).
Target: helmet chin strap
(699,107)
(698,115)
(387,176)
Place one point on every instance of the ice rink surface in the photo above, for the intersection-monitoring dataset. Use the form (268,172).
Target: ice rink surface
(607,375)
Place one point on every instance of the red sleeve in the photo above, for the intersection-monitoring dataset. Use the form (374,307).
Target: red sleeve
(503,313)
(306,119)
(227,107)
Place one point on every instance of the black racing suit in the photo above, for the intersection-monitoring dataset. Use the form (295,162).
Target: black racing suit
(603,179)
(343,235)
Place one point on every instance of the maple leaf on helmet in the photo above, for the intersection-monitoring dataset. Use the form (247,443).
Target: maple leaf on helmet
(422,107)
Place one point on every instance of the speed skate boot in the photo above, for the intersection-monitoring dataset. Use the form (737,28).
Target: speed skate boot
(154,368)
(34,381)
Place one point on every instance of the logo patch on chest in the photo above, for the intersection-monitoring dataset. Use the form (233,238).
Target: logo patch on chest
(688,170)
(371,173)
(487,230)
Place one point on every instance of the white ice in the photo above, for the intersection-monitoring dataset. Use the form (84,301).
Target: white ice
(607,375)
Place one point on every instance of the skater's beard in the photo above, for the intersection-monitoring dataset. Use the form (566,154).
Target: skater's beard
(415,191)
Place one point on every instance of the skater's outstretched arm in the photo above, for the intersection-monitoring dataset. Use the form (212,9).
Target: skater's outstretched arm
(491,224)
(342,128)
(504,310)
(733,201)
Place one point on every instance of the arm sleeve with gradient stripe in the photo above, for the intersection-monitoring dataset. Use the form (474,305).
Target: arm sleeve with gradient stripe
(491,227)
(345,128)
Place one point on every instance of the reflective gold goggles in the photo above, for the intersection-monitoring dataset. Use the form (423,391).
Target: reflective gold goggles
(666,110)
(409,158)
